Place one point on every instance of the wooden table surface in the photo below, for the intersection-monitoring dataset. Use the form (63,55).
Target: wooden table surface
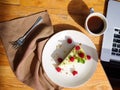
(64,14)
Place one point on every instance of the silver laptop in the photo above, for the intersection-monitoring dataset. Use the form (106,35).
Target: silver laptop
(111,39)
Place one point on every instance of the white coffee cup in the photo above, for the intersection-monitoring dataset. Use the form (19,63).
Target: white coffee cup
(96,23)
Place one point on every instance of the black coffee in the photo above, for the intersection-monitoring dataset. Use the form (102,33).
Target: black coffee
(95,24)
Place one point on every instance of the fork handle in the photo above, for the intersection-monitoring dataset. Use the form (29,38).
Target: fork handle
(37,22)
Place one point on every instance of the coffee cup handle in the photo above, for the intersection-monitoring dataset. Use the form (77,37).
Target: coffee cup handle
(91,10)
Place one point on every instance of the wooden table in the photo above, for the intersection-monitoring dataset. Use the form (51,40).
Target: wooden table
(64,14)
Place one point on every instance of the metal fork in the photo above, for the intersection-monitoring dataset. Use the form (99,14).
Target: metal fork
(16,44)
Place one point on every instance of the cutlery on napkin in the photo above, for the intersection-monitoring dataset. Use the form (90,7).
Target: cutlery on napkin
(26,60)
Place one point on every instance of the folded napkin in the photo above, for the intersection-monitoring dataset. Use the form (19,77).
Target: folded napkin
(26,60)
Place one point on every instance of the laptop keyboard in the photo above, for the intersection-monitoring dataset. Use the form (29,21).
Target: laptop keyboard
(116,42)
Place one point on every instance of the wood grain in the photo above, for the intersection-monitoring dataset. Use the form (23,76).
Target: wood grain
(13,2)
(64,14)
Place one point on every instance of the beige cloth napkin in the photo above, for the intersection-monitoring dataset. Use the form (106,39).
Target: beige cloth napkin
(26,61)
